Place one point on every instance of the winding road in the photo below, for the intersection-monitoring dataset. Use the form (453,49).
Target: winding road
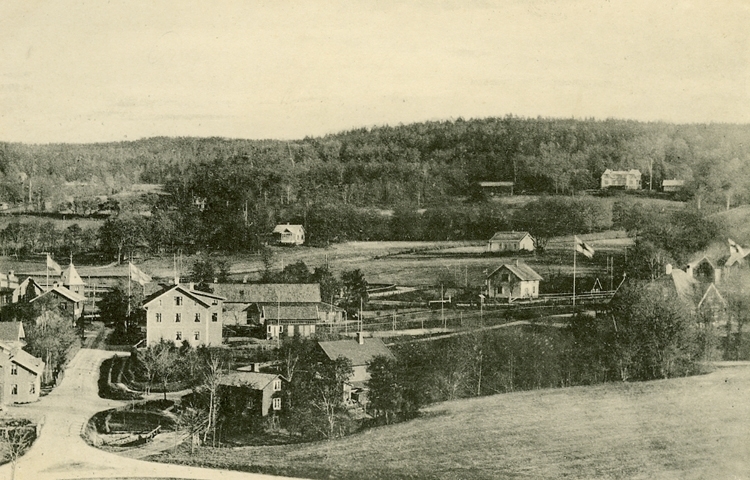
(61,453)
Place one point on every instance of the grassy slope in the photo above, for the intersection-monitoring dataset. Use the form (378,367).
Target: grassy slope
(684,428)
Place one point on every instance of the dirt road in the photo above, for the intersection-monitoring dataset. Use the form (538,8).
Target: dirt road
(61,453)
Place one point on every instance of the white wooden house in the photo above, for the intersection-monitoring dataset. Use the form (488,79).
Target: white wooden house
(512,281)
(511,242)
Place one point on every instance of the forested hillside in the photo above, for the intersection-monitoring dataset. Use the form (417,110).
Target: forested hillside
(331,184)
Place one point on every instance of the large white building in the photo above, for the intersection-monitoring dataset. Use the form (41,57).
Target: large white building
(180,313)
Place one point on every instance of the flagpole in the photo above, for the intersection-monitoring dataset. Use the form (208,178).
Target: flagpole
(575,251)
(47,286)
(129,289)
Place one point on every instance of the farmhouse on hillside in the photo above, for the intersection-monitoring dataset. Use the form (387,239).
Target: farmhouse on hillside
(250,393)
(181,313)
(512,281)
(622,179)
(360,352)
(289,234)
(511,242)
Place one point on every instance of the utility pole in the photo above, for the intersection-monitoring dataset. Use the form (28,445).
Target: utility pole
(442,306)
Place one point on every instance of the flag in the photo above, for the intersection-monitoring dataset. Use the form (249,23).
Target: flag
(137,275)
(582,247)
(52,265)
(734,248)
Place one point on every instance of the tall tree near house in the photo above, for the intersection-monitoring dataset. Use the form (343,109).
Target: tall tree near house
(49,338)
(161,363)
(354,289)
(655,335)
(330,286)
(386,390)
(318,397)
(215,364)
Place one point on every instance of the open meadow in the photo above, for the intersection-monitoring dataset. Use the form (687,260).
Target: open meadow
(688,428)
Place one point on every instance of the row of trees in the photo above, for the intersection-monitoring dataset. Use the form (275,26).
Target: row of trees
(645,334)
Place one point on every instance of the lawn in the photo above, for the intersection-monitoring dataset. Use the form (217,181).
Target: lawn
(687,428)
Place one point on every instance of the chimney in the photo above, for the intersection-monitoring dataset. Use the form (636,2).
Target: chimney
(360,338)
(689,270)
(668,269)
(216,280)
(191,285)
(244,279)
(516,262)
(717,275)
(176,280)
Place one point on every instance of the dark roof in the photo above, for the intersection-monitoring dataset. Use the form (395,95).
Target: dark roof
(269,292)
(520,270)
(202,298)
(351,349)
(509,236)
(63,292)
(11,331)
(290,312)
(254,380)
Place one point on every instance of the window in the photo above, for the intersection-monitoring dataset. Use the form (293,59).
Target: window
(277,404)
(178,336)
(178,301)
(277,385)
(63,306)
(214,317)
(13,369)
(177,318)
(505,277)
(196,335)
(198,317)
(14,389)
(32,388)
(160,302)
(158,318)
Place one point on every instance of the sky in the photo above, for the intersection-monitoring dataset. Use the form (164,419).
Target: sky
(94,71)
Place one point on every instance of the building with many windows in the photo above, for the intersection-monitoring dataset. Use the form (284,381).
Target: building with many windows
(622,179)
(181,313)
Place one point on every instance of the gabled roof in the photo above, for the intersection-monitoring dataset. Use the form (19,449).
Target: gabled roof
(712,291)
(632,171)
(290,312)
(11,331)
(203,298)
(269,292)
(297,229)
(510,236)
(520,270)
(22,358)
(70,276)
(254,380)
(700,260)
(62,292)
(351,349)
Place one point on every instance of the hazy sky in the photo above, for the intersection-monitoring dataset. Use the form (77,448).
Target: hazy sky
(85,71)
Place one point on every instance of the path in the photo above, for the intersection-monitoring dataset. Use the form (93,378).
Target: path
(61,453)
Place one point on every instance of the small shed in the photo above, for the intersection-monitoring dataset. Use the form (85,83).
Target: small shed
(511,242)
(252,393)
(514,280)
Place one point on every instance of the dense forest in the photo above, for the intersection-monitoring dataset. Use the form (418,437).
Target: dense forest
(228,192)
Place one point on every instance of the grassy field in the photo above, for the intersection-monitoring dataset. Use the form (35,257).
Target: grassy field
(402,263)
(688,428)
